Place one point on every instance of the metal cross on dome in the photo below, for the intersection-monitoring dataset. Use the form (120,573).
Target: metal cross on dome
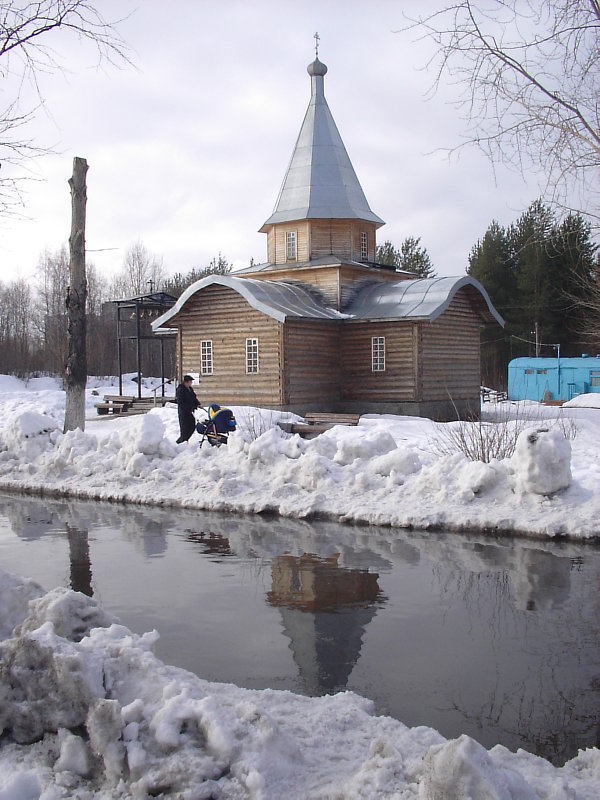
(317,39)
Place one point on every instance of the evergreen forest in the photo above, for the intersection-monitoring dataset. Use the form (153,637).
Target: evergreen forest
(541,275)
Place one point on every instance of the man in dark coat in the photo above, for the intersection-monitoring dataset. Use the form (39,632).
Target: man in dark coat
(187,403)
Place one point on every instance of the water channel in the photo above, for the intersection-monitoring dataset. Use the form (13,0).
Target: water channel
(496,638)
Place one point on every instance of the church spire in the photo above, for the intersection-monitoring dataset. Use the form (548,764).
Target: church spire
(320,182)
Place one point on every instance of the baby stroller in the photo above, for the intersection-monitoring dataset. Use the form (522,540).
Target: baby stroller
(217,427)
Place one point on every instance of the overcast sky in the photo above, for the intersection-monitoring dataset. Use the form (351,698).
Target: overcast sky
(187,151)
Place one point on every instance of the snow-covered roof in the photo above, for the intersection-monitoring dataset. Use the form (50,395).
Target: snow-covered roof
(273,298)
(320,182)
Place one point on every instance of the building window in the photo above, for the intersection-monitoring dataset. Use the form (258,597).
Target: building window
(290,245)
(206,357)
(251,355)
(542,372)
(378,353)
(364,250)
(595,379)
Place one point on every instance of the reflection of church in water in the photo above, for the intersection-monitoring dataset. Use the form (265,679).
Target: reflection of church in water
(325,609)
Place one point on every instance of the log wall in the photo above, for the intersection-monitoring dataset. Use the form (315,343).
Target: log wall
(319,238)
(223,316)
(312,363)
(276,245)
(399,380)
(326,365)
(451,355)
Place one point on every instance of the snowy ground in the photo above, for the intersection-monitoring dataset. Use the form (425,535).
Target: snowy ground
(88,711)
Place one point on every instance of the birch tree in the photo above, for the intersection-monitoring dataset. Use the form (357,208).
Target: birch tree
(528,77)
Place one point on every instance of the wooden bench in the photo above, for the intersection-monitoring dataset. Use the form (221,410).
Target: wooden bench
(115,408)
(315,418)
(317,423)
(115,404)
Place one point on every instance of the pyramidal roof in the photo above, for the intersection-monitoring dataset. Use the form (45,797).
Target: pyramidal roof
(320,182)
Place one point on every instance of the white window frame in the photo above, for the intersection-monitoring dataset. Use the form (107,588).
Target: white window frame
(364,245)
(290,246)
(206,357)
(378,353)
(251,356)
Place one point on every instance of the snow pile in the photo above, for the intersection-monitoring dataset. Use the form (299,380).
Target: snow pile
(88,711)
(29,434)
(388,470)
(590,400)
(542,461)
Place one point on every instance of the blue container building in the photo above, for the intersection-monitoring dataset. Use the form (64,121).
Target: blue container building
(553,378)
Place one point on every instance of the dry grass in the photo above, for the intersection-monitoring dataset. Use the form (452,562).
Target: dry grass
(486,440)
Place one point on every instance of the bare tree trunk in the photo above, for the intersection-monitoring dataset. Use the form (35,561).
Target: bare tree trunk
(76,371)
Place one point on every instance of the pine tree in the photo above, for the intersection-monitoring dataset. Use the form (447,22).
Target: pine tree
(540,275)
(411,257)
(178,283)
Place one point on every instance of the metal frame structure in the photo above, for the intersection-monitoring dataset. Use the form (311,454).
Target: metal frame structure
(149,307)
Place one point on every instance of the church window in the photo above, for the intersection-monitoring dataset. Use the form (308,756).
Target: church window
(206,357)
(251,356)
(378,353)
(290,245)
(364,251)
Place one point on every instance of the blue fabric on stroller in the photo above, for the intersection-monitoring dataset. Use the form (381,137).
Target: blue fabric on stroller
(217,427)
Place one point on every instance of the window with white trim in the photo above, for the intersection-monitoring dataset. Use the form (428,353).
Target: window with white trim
(290,245)
(206,357)
(378,353)
(364,249)
(251,355)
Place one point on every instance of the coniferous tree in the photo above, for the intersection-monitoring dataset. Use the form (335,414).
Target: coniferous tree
(387,254)
(491,264)
(540,275)
(414,258)
(410,257)
(178,283)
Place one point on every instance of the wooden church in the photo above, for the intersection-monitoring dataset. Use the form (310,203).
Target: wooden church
(321,326)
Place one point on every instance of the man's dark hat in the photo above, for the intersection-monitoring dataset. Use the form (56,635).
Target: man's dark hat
(187,378)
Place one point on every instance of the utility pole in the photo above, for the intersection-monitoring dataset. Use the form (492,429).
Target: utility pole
(538,346)
(76,369)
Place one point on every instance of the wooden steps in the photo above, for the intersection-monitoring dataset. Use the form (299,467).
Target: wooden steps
(129,405)
(317,423)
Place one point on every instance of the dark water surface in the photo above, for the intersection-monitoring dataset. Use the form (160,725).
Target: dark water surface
(498,639)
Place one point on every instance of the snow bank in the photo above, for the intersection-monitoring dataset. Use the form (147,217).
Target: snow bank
(88,711)
(590,400)
(388,470)
(28,435)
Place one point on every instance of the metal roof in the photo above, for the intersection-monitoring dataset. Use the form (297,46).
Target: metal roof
(275,299)
(323,261)
(153,300)
(423,298)
(549,362)
(320,182)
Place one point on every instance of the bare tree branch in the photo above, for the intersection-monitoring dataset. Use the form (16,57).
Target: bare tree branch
(30,36)
(528,81)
